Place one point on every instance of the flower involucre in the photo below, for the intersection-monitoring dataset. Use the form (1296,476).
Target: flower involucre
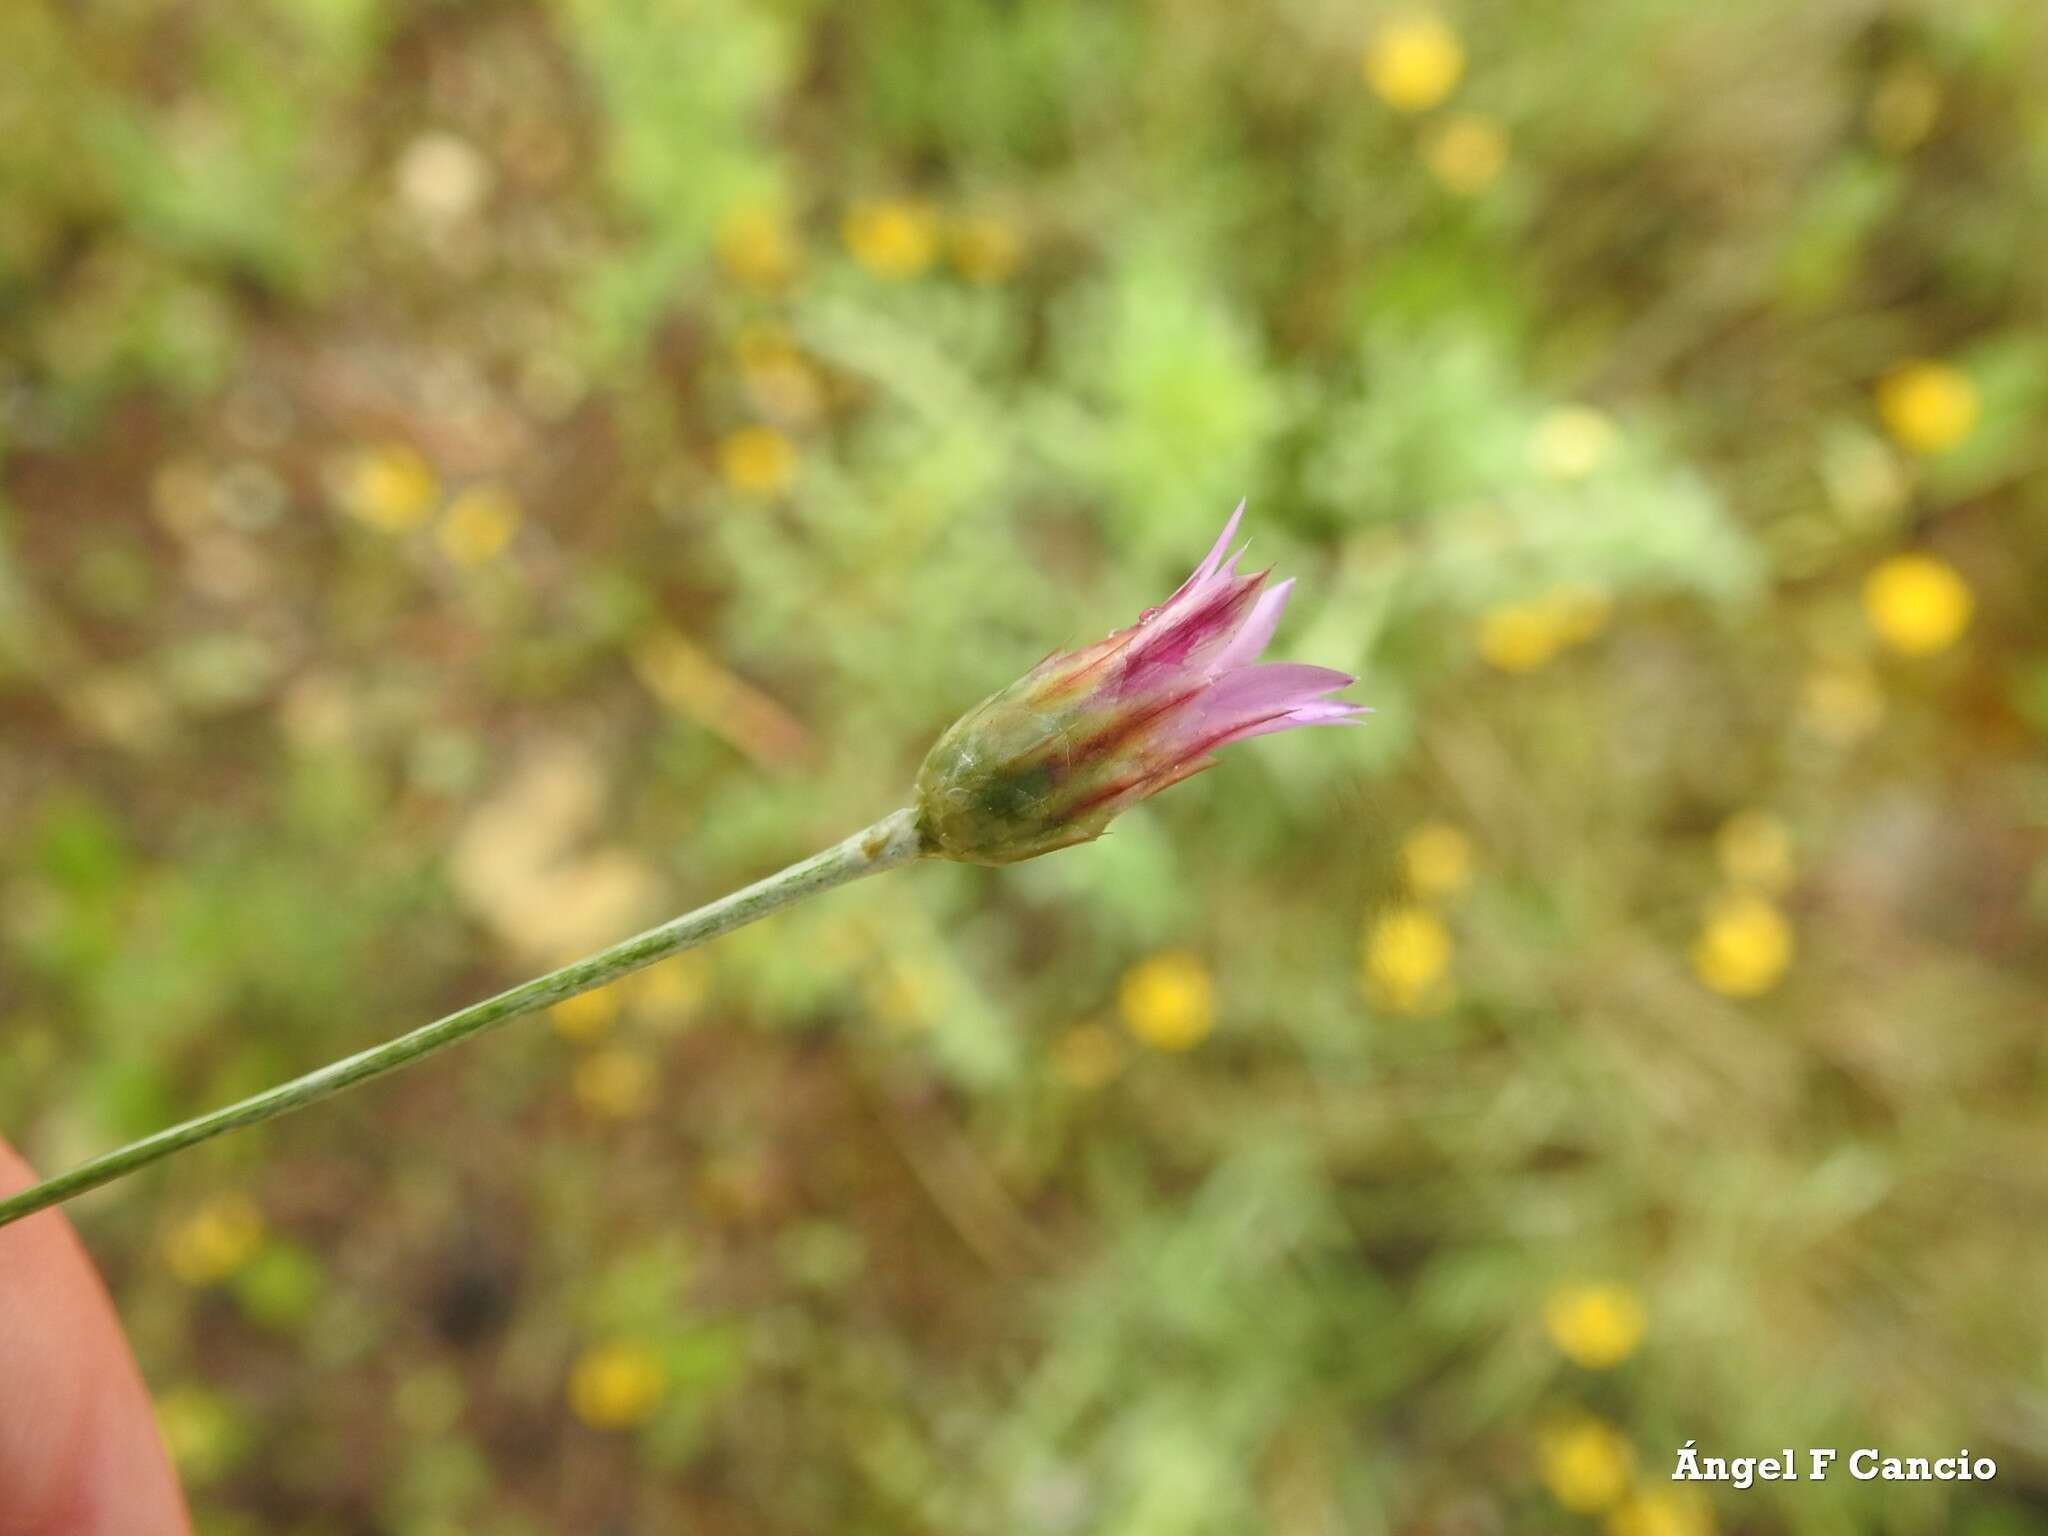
(1052,759)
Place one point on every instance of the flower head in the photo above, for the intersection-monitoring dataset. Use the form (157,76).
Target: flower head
(1917,604)
(1596,1326)
(1052,759)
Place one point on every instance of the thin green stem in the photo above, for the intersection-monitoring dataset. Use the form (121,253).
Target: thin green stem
(893,840)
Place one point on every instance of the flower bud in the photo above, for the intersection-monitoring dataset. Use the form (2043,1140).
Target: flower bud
(1052,759)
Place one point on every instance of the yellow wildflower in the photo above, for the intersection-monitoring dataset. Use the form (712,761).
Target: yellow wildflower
(757,461)
(1087,1056)
(1755,848)
(985,249)
(1917,604)
(1744,946)
(478,525)
(893,239)
(1595,1326)
(1168,1001)
(755,247)
(1414,61)
(1584,1462)
(1656,1512)
(670,992)
(586,1015)
(617,1385)
(1572,441)
(1928,407)
(1466,153)
(1438,859)
(391,488)
(1520,637)
(214,1241)
(614,1083)
(1406,959)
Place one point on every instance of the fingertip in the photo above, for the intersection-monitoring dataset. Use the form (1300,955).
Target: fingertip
(80,1453)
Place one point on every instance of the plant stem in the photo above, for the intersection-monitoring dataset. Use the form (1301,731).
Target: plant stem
(893,840)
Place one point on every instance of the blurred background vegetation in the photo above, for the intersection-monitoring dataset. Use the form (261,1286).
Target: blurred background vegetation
(479,476)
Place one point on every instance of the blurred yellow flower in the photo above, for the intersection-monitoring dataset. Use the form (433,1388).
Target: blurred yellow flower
(614,1083)
(1572,441)
(1520,637)
(1414,61)
(478,525)
(1928,407)
(1595,1326)
(617,1385)
(587,1015)
(214,1241)
(391,488)
(1744,946)
(985,249)
(1466,152)
(1437,858)
(1087,1056)
(1584,1462)
(755,247)
(758,461)
(894,239)
(1406,959)
(1660,1513)
(1755,848)
(1904,106)
(1917,604)
(1842,700)
(672,991)
(1168,1001)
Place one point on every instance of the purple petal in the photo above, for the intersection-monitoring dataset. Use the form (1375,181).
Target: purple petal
(1275,686)
(1323,712)
(1183,637)
(1256,630)
(1255,700)
(1207,568)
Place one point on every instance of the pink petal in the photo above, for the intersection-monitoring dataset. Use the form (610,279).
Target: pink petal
(1253,701)
(1256,630)
(1183,638)
(1325,712)
(1275,686)
(1207,568)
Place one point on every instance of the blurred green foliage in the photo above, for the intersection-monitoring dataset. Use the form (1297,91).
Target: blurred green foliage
(474,477)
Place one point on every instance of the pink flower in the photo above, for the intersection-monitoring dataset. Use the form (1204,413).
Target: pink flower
(1052,759)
